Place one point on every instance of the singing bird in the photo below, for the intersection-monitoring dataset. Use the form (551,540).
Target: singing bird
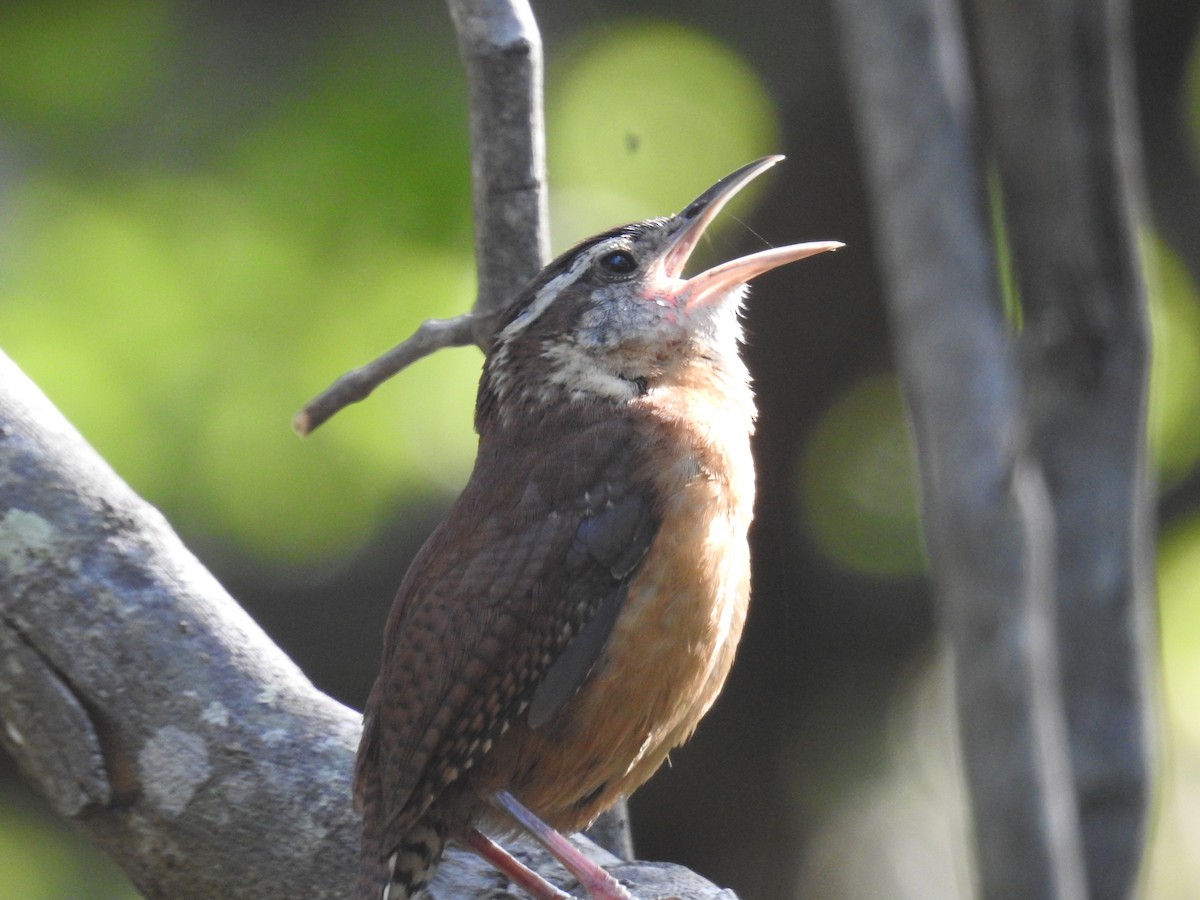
(576,614)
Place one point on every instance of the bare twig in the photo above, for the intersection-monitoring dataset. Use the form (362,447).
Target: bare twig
(988,519)
(357,384)
(502,52)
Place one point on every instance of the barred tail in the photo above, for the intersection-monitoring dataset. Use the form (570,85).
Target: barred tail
(408,868)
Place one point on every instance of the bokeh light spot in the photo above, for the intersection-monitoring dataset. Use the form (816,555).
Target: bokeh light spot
(1175,364)
(618,154)
(858,482)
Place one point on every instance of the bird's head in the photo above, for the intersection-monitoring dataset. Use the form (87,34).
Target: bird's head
(614,316)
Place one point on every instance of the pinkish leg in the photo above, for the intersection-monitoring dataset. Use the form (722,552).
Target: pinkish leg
(516,871)
(591,877)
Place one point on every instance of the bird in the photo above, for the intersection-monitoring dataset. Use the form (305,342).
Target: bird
(576,613)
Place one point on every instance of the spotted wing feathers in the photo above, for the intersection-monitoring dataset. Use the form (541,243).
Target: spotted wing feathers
(506,608)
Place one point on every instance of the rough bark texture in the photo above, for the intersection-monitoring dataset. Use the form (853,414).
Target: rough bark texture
(150,709)
(140,697)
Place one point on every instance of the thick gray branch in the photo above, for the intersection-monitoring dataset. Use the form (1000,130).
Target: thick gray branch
(141,699)
(1085,353)
(988,518)
(152,711)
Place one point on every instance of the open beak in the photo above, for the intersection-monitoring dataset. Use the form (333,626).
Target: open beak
(689,225)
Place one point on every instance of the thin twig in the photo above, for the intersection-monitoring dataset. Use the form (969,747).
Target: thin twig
(501,51)
(357,384)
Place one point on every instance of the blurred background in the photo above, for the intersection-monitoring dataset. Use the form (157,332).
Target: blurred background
(210,209)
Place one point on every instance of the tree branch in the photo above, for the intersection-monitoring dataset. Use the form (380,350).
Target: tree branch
(358,384)
(501,50)
(141,699)
(153,712)
(1085,354)
(988,518)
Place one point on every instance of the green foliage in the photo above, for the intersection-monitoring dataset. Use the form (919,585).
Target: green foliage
(1179,608)
(1174,869)
(79,63)
(180,317)
(41,860)
(180,314)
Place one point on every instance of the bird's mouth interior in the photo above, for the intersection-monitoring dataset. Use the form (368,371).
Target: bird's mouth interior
(689,226)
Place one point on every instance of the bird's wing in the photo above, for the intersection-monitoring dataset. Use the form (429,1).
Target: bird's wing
(507,607)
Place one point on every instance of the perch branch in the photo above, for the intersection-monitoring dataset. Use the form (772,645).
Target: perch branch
(153,712)
(142,700)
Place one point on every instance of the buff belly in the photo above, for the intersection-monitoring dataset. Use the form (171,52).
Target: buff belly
(662,668)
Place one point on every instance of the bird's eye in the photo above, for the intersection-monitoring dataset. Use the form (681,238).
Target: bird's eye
(618,262)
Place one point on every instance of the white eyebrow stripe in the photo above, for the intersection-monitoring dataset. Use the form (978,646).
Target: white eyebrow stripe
(549,291)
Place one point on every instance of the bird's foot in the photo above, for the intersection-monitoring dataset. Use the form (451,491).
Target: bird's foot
(598,883)
(516,871)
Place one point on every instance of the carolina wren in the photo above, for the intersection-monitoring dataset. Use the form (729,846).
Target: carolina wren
(576,614)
